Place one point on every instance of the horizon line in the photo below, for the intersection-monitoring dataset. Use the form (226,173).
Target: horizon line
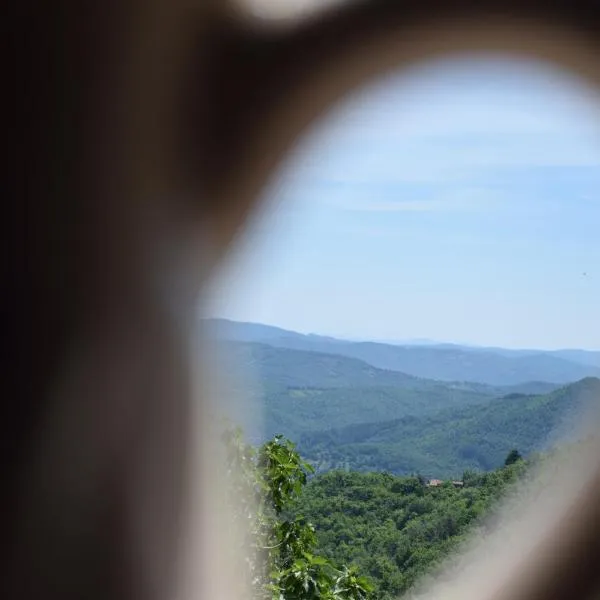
(417,341)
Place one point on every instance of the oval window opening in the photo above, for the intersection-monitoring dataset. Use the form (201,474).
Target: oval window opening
(416,308)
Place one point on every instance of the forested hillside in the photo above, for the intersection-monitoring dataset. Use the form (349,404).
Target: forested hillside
(284,367)
(281,368)
(396,529)
(299,412)
(317,540)
(447,442)
(348,414)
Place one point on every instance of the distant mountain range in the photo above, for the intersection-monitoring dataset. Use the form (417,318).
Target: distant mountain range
(446,362)
(302,391)
(346,411)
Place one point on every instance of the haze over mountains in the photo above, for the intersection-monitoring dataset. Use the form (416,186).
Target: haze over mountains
(444,362)
(437,409)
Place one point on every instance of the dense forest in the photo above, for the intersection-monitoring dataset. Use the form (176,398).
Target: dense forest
(396,529)
(281,559)
(446,442)
(351,536)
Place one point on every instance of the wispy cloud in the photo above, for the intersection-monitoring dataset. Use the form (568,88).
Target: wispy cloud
(412,198)
(402,206)
(446,129)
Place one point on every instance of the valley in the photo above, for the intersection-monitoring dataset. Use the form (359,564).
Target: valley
(349,407)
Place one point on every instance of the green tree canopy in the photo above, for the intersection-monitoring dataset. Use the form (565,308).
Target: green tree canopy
(282,560)
(512,457)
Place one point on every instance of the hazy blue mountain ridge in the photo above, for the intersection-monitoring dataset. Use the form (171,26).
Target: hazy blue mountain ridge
(497,367)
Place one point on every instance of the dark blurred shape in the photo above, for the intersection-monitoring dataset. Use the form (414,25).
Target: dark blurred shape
(136,126)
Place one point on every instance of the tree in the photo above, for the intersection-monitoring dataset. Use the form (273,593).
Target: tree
(282,563)
(513,457)
(470,478)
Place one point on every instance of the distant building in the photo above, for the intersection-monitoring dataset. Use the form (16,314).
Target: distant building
(435,483)
(458,484)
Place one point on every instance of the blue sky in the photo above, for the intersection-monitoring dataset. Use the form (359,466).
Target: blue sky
(459,202)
